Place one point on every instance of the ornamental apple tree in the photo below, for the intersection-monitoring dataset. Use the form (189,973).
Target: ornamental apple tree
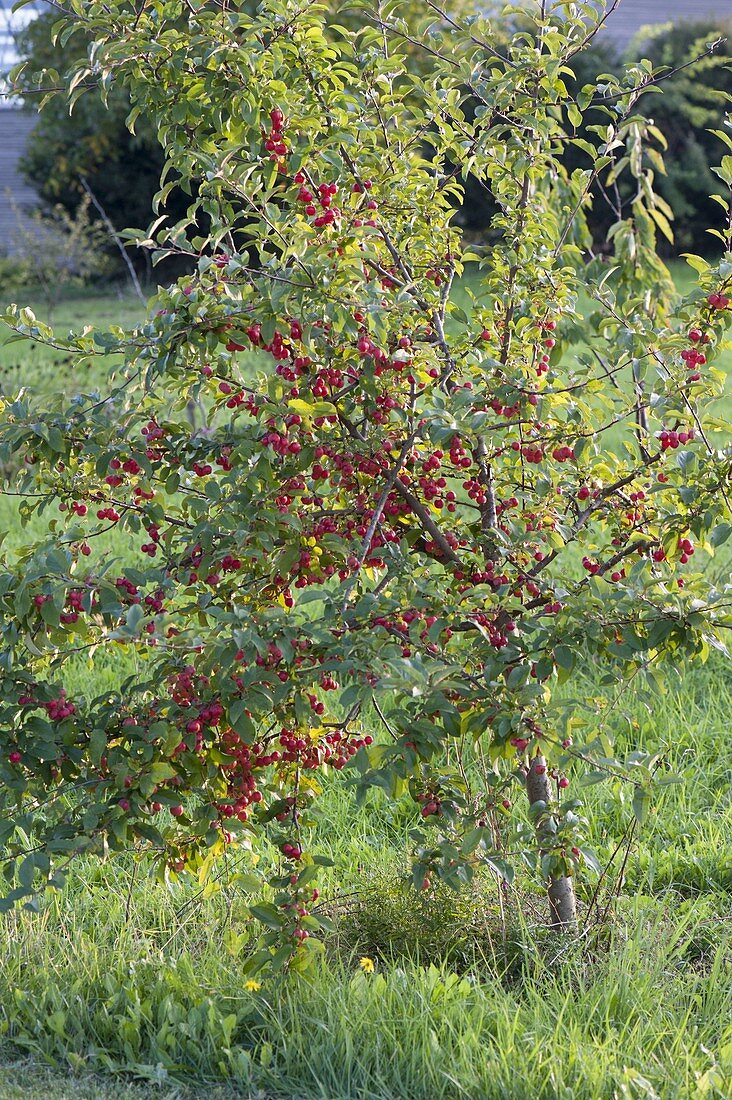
(354,497)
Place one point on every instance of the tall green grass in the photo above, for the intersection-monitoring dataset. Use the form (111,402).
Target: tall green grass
(642,1017)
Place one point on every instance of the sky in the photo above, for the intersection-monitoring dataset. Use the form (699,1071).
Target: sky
(12,21)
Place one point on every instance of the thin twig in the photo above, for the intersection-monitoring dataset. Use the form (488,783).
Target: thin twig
(115,237)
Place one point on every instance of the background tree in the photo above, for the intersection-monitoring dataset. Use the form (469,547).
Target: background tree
(693,106)
(93,141)
(123,168)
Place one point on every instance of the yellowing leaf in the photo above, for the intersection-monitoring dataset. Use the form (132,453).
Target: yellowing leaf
(318,408)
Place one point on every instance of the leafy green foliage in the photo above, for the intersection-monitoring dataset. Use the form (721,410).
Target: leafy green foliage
(351,502)
(692,59)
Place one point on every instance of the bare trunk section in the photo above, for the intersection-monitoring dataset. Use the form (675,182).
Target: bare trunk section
(560,890)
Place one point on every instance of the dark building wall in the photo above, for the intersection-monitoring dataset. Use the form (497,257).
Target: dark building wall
(15,126)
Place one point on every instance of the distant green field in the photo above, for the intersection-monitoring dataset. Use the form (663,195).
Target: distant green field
(45,370)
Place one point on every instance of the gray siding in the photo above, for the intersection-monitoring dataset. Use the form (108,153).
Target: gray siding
(631,15)
(15,126)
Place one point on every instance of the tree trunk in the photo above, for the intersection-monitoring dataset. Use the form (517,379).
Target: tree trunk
(560,889)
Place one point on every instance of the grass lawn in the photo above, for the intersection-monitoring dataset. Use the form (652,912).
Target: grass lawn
(27,1080)
(124,987)
(46,370)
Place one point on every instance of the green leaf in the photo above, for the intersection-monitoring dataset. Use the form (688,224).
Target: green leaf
(720,534)
(241,721)
(27,871)
(268,915)
(641,803)
(565,657)
(134,617)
